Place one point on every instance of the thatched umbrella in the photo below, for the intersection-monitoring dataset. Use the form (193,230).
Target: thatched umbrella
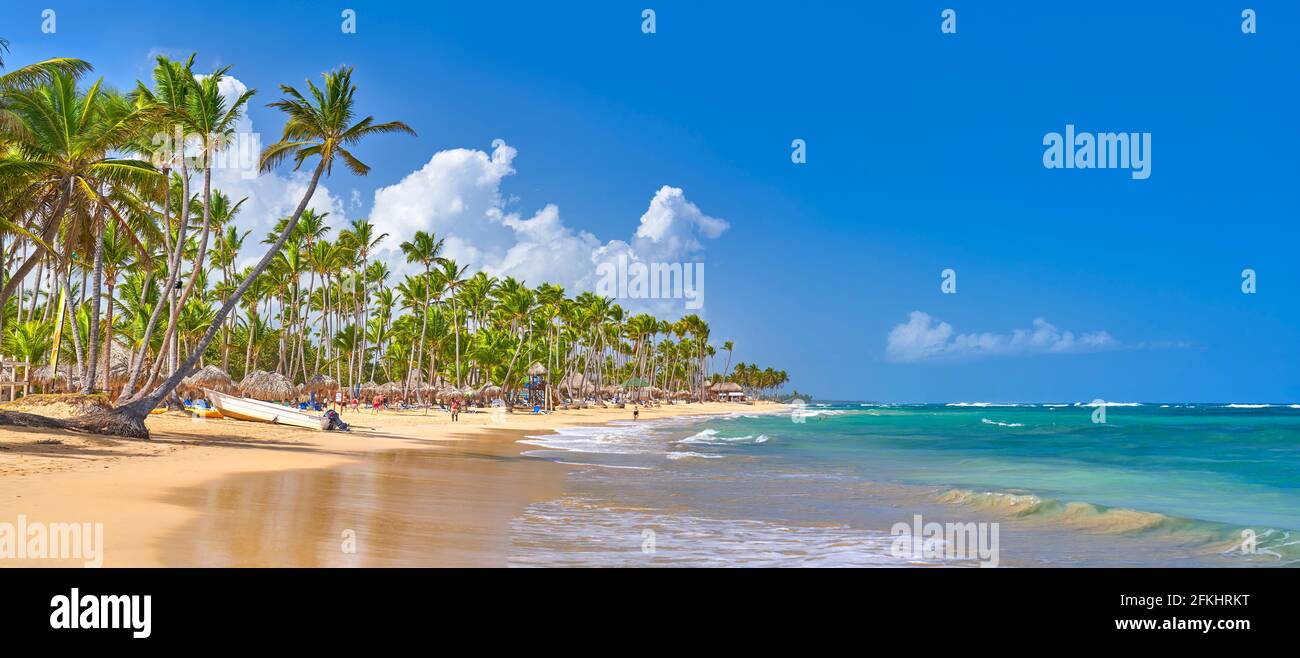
(536,369)
(468,392)
(250,379)
(449,393)
(321,385)
(68,377)
(573,382)
(491,392)
(369,389)
(268,386)
(208,376)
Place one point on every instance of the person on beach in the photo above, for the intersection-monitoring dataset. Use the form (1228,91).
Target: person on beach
(636,412)
(376,401)
(455,410)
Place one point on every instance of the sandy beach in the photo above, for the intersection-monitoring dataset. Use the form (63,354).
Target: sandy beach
(214,492)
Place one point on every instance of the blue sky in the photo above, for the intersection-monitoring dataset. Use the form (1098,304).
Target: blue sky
(924,152)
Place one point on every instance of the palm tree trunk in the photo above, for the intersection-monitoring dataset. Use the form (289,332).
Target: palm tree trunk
(173,272)
(128,420)
(108,334)
(88,377)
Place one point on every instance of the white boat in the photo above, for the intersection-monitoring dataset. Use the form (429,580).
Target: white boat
(263,412)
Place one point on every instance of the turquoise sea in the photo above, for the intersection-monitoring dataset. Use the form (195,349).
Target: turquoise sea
(1156,484)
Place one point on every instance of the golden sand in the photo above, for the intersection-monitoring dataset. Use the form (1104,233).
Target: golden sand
(193,494)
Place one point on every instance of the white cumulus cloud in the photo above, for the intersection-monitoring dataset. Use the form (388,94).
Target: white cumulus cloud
(924,338)
(458,196)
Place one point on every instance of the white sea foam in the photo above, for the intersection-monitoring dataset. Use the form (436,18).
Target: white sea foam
(579,532)
(1107,404)
(1248,406)
(687,454)
(710,437)
(608,440)
(982,404)
(1000,423)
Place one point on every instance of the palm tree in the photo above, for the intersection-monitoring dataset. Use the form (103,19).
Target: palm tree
(205,113)
(423,248)
(321,127)
(360,239)
(64,156)
(165,105)
(30,341)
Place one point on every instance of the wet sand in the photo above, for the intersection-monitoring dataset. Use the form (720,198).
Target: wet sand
(413,489)
(448,507)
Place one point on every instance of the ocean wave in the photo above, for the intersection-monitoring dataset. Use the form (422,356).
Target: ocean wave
(710,437)
(1206,537)
(1000,423)
(607,440)
(813,413)
(687,454)
(1237,405)
(580,532)
(983,404)
(1107,404)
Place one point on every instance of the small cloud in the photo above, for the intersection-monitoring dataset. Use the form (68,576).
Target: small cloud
(923,338)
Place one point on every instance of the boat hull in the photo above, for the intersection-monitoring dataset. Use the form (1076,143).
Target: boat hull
(263,412)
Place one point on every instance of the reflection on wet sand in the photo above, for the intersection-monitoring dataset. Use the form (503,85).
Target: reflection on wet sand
(445,507)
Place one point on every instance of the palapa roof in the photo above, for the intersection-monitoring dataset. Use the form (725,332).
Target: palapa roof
(208,376)
(268,386)
(728,387)
(536,369)
(320,383)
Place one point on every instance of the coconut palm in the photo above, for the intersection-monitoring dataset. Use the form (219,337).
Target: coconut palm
(321,127)
(423,248)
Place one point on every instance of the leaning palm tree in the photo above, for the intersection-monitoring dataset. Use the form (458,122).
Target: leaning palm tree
(207,115)
(320,127)
(65,158)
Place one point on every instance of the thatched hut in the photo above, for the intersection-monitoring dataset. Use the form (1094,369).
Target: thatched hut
(268,386)
(207,377)
(491,392)
(321,385)
(369,389)
(574,384)
(67,378)
(729,391)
